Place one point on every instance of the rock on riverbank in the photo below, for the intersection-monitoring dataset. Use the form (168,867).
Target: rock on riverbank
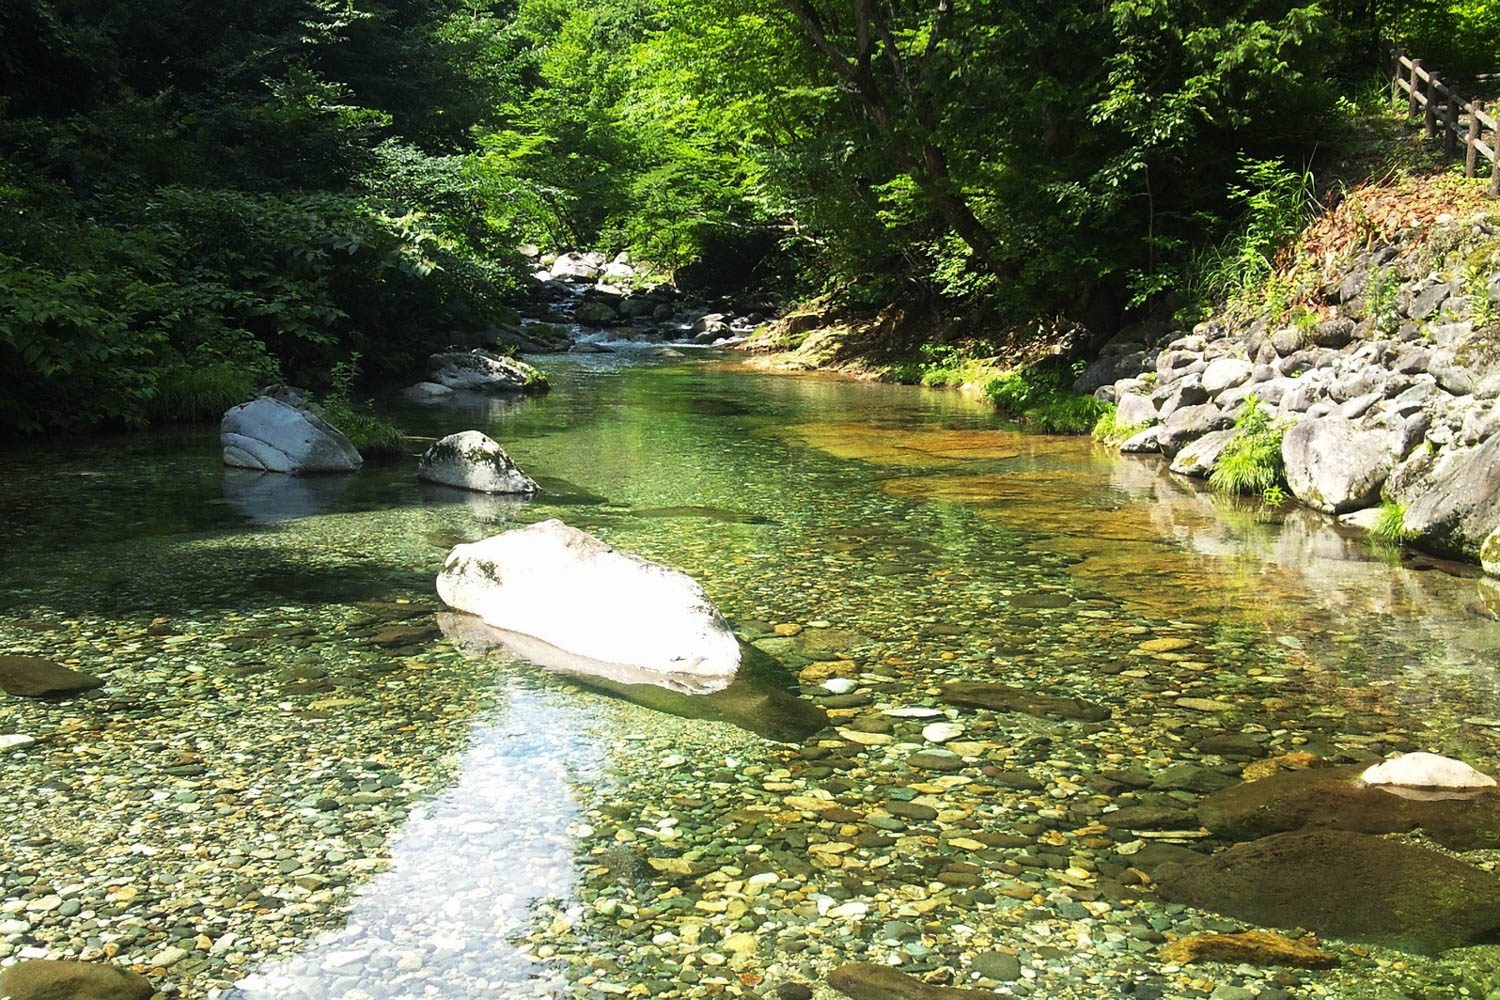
(1387,378)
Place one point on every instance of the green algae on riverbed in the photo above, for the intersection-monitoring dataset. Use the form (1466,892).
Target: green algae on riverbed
(290,786)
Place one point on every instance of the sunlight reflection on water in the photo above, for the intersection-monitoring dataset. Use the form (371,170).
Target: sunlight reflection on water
(467,869)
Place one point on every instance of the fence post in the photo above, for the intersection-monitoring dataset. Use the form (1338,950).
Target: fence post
(1450,130)
(1411,95)
(1429,112)
(1495,166)
(1396,75)
(1471,156)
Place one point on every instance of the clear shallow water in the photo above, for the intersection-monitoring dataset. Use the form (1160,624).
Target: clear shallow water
(292,778)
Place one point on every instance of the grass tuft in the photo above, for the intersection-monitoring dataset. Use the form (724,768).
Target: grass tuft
(1109,430)
(1251,462)
(374,437)
(1391,525)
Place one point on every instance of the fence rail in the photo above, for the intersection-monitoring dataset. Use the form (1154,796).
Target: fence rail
(1461,122)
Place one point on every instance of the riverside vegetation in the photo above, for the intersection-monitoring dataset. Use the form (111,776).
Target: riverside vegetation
(212,203)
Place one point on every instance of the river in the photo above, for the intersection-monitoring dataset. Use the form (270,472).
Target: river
(294,785)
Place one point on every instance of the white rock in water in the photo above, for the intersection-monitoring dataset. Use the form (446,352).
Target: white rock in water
(840,685)
(1426,770)
(942,732)
(571,590)
(424,391)
(472,461)
(9,741)
(274,436)
(913,712)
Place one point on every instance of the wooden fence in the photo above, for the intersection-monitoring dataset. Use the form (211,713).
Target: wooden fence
(1462,122)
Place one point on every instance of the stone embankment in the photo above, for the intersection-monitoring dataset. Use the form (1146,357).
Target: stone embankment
(1385,381)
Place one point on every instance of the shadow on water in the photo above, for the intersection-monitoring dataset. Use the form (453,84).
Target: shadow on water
(755,700)
(270,497)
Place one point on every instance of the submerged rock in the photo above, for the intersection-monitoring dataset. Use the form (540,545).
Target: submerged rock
(868,981)
(575,592)
(423,392)
(1348,885)
(270,434)
(31,677)
(1253,947)
(1004,698)
(1336,798)
(472,461)
(52,980)
(755,700)
(479,370)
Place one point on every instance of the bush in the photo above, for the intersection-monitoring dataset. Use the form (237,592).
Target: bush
(1042,400)
(374,437)
(1251,462)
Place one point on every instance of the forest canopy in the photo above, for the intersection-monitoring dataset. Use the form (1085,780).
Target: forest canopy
(201,198)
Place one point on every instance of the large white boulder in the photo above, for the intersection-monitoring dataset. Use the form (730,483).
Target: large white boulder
(272,435)
(1425,770)
(472,461)
(571,590)
(1336,465)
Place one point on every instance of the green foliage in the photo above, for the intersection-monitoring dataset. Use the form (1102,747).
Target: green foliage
(1274,496)
(1456,37)
(941,365)
(1380,299)
(1251,462)
(1042,400)
(195,203)
(1109,430)
(1276,203)
(374,437)
(1390,526)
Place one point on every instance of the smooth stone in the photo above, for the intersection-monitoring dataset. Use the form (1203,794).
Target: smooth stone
(578,594)
(942,732)
(13,741)
(1004,698)
(1458,506)
(1426,770)
(426,391)
(935,760)
(1335,798)
(1000,966)
(32,677)
(484,371)
(1336,465)
(269,434)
